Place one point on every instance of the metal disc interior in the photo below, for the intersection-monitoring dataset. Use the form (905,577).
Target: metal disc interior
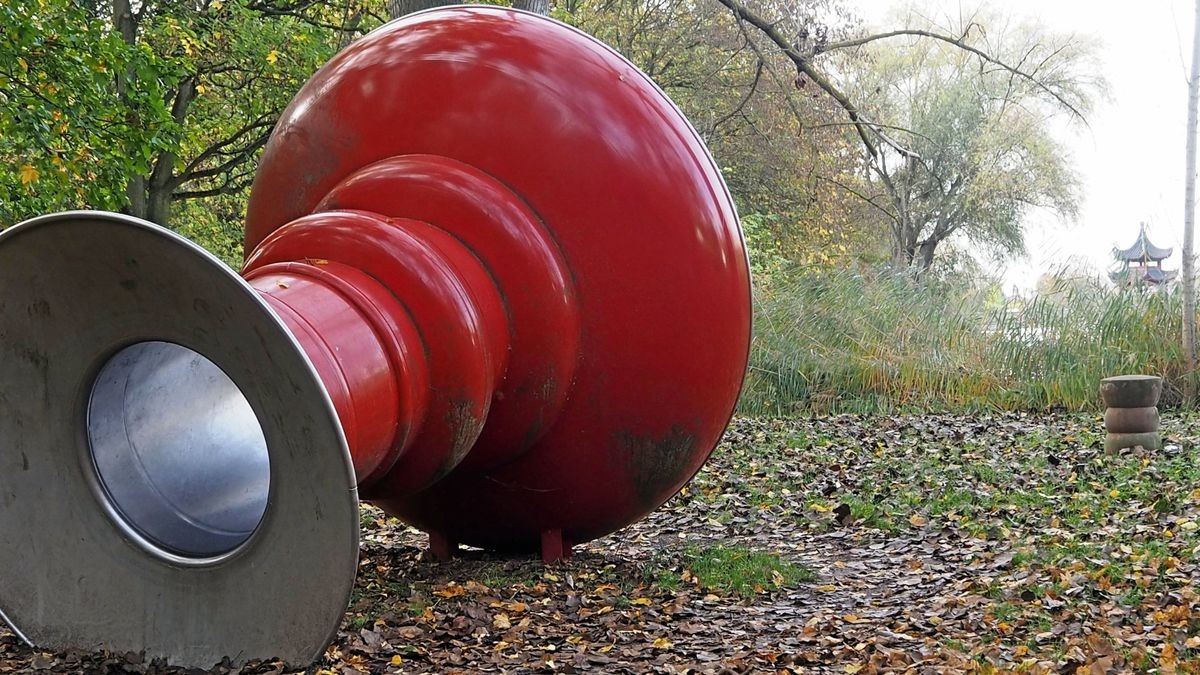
(209,510)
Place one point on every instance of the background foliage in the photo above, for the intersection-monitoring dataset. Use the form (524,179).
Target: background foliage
(160,109)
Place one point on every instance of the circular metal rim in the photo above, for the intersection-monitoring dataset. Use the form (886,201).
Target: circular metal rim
(38,599)
(108,501)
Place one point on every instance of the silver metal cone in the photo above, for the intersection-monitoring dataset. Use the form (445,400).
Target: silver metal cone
(173,476)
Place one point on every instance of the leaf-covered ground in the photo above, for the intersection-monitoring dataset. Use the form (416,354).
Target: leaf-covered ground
(929,543)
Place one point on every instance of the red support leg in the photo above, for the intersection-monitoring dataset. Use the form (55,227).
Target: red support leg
(554,547)
(441,547)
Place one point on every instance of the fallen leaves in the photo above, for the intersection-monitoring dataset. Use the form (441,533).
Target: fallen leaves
(983,543)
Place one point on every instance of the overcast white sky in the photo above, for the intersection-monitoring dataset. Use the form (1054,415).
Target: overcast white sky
(1131,160)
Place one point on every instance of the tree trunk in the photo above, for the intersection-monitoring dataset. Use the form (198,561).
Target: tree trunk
(536,6)
(927,249)
(398,8)
(125,25)
(158,207)
(1189,221)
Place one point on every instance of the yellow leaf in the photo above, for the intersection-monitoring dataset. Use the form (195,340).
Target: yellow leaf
(663,643)
(24,65)
(1114,493)
(918,520)
(452,590)
(501,621)
(643,602)
(28,174)
(852,668)
(272,57)
(1168,659)
(396,660)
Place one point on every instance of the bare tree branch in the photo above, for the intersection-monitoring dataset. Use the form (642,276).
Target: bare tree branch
(750,91)
(962,44)
(863,126)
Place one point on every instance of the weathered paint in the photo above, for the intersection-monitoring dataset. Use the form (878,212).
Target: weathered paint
(563,247)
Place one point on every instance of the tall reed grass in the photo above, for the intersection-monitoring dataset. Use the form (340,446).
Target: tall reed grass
(864,342)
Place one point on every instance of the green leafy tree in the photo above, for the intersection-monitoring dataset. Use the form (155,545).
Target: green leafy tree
(973,147)
(779,147)
(951,121)
(164,101)
(66,138)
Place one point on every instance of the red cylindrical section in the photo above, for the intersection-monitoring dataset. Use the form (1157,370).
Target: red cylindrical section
(421,276)
(364,347)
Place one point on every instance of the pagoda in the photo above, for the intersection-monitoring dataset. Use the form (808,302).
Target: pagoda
(1141,264)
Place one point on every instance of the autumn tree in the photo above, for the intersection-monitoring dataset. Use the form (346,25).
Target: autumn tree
(953,121)
(782,153)
(141,106)
(66,140)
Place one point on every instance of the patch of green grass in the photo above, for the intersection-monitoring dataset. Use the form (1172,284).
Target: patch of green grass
(741,571)
(1006,611)
(667,580)
(871,513)
(1132,597)
(499,575)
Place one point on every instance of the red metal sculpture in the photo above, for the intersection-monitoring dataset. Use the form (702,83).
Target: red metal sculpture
(502,253)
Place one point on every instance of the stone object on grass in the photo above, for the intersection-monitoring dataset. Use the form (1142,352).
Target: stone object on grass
(1131,418)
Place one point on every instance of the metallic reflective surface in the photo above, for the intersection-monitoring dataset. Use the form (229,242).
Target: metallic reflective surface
(178,449)
(597,178)
(75,290)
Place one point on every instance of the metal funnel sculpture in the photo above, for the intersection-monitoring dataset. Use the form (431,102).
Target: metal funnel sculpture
(494,284)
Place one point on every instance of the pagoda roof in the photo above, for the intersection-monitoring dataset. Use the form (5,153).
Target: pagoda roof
(1150,275)
(1142,249)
